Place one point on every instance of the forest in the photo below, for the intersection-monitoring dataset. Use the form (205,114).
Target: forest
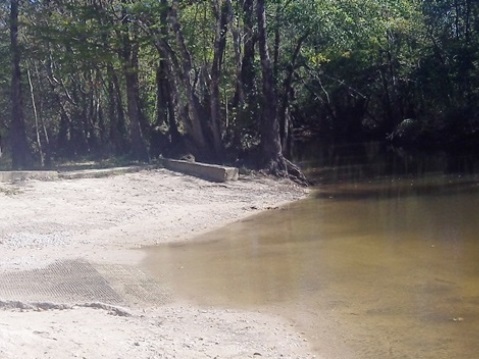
(233,81)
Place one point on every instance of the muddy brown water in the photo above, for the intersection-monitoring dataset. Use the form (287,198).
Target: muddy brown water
(385,267)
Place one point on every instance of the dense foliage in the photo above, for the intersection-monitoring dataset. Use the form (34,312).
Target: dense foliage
(221,78)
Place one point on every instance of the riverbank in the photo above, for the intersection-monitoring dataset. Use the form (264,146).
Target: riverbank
(79,237)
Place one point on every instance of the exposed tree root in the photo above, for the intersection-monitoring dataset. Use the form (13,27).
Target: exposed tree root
(282,167)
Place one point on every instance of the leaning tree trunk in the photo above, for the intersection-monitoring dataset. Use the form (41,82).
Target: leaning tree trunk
(18,136)
(272,157)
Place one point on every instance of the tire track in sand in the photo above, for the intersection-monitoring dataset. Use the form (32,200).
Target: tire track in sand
(78,281)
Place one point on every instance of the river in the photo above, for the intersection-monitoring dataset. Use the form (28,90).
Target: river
(382,261)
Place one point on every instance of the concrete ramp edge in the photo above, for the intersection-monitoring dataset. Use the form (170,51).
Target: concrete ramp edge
(215,173)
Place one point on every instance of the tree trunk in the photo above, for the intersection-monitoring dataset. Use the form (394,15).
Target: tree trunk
(245,101)
(237,36)
(222,10)
(165,110)
(247,83)
(272,157)
(165,89)
(63,140)
(18,136)
(35,114)
(270,139)
(284,112)
(130,66)
(115,112)
(138,143)
(184,69)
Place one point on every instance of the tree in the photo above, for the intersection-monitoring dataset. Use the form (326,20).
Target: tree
(273,160)
(222,10)
(129,56)
(18,136)
(229,79)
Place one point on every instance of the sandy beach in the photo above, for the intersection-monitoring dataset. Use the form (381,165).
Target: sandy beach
(71,284)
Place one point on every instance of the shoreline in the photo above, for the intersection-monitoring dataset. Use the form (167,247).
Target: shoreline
(101,223)
(124,212)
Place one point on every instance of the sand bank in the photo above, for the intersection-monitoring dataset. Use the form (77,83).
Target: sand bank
(70,284)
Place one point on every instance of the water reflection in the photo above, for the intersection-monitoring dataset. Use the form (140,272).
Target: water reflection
(435,186)
(328,163)
(382,267)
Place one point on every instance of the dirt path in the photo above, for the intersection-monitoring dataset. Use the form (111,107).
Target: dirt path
(70,284)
